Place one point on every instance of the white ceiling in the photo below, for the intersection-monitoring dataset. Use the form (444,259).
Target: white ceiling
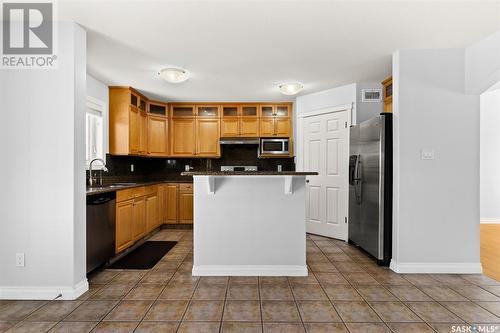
(241,50)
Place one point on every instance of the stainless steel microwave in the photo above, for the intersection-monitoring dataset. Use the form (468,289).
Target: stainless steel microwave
(274,146)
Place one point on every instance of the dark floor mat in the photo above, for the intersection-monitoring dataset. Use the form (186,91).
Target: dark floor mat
(145,256)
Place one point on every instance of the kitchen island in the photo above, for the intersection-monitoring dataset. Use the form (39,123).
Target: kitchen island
(249,223)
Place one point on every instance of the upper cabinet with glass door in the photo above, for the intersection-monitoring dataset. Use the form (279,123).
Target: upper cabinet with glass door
(127,127)
(282,110)
(182,110)
(275,110)
(207,111)
(157,108)
(249,111)
(229,126)
(249,121)
(267,110)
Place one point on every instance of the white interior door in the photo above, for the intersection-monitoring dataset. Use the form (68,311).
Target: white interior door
(326,151)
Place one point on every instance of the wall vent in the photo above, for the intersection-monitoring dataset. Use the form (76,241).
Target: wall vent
(371,95)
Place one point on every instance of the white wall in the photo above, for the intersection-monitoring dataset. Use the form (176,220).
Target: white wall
(436,202)
(42,202)
(326,98)
(348,94)
(100,91)
(367,110)
(482,64)
(490,156)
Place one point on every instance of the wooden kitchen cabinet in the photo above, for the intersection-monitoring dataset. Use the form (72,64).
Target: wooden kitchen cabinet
(157,108)
(139,126)
(143,132)
(162,204)
(282,110)
(186,203)
(249,127)
(207,111)
(183,141)
(267,110)
(152,211)
(230,127)
(171,211)
(282,127)
(142,209)
(207,138)
(182,111)
(387,93)
(124,223)
(239,121)
(127,122)
(157,136)
(134,130)
(139,218)
(267,126)
(275,120)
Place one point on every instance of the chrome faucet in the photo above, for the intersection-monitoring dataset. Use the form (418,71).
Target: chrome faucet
(91,179)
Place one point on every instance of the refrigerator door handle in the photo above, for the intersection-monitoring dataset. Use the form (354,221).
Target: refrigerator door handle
(357,179)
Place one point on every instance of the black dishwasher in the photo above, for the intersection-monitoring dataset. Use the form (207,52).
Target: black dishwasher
(101,225)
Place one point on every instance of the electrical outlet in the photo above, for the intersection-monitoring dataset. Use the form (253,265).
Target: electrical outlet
(427,154)
(131,168)
(19,259)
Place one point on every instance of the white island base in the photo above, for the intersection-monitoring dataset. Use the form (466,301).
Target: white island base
(249,225)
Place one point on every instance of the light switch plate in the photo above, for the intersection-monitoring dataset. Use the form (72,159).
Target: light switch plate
(427,154)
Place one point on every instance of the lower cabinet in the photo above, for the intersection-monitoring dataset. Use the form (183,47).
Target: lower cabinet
(139,218)
(179,203)
(141,210)
(171,194)
(152,212)
(123,225)
(186,203)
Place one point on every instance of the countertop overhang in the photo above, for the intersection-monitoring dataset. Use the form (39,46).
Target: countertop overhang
(248,173)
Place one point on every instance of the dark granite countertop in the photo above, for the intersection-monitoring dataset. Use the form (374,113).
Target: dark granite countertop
(124,185)
(248,173)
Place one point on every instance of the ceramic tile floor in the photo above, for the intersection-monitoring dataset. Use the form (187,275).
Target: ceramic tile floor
(344,292)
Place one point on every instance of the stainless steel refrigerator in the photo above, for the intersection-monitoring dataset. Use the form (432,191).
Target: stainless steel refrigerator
(370,187)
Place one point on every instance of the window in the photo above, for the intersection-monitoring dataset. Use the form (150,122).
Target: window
(94,130)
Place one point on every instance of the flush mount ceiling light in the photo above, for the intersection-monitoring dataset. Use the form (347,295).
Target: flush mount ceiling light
(174,75)
(290,88)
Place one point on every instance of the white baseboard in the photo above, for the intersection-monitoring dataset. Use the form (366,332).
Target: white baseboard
(44,293)
(250,270)
(490,221)
(440,267)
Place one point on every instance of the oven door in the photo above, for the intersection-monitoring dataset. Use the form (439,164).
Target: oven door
(274,146)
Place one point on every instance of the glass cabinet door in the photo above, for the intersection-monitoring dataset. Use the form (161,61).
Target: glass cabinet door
(142,104)
(282,110)
(158,109)
(133,99)
(229,111)
(248,111)
(266,111)
(208,111)
(182,111)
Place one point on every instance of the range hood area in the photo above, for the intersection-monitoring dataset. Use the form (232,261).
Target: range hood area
(239,141)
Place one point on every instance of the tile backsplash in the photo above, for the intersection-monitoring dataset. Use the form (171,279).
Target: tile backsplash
(152,168)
